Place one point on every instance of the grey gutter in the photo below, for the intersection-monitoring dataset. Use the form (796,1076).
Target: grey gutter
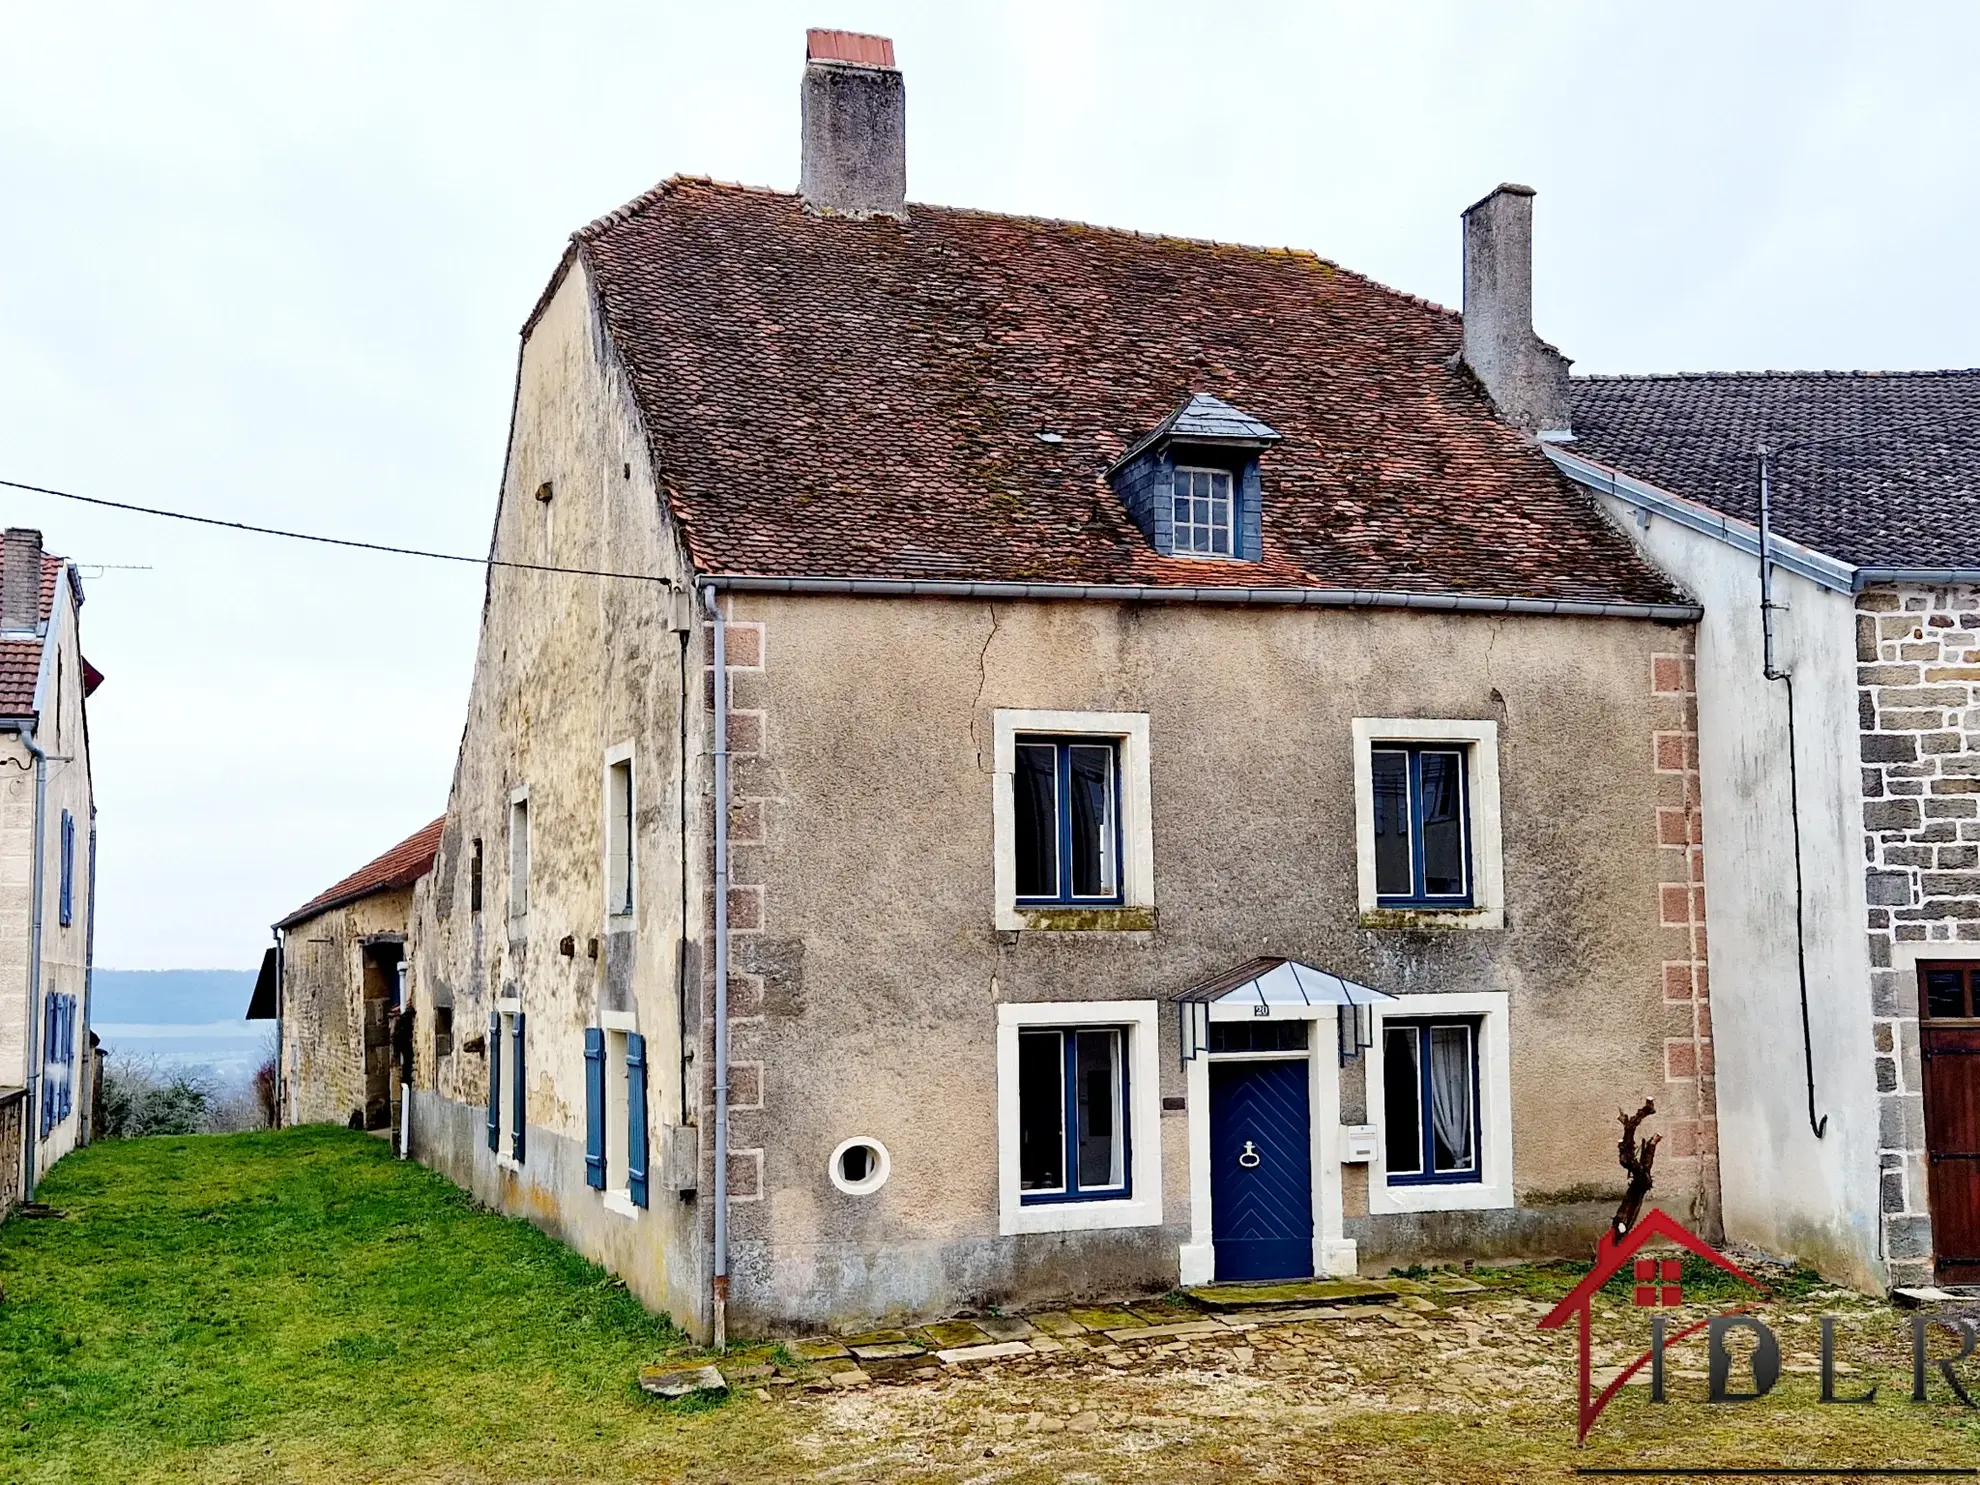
(1818,567)
(1867,575)
(1667,613)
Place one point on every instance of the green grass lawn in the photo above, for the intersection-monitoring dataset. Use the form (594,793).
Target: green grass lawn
(299,1306)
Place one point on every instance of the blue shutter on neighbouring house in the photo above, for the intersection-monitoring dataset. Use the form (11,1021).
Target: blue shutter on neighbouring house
(68,867)
(516,1083)
(594,1108)
(636,1117)
(495,1081)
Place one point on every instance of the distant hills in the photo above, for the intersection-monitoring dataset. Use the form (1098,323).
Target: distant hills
(170,997)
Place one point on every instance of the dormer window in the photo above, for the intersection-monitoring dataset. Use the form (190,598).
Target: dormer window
(1203,512)
(1192,484)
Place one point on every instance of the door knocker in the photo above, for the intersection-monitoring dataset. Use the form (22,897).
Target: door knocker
(1249,1157)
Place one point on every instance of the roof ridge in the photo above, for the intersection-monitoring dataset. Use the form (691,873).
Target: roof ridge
(623,214)
(1709,376)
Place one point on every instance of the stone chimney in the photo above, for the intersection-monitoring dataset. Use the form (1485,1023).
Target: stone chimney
(855,126)
(20,580)
(1528,378)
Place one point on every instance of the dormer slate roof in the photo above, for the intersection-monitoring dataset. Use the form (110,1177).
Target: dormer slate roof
(1890,490)
(828,397)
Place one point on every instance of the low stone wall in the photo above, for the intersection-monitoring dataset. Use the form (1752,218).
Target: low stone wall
(13,1119)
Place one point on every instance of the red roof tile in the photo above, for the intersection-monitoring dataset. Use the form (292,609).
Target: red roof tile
(20,659)
(845,398)
(401,866)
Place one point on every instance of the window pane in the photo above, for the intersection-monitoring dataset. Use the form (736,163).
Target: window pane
(1092,777)
(1392,872)
(1402,1101)
(1101,1128)
(1041,1111)
(1443,824)
(1945,992)
(1035,791)
(1451,1098)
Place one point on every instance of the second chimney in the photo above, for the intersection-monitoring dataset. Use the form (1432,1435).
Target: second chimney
(855,126)
(1526,377)
(20,580)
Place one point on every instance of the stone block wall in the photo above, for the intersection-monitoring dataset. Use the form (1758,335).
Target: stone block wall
(1918,696)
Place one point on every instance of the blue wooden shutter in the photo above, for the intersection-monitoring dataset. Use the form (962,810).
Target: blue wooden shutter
(636,1117)
(594,1108)
(495,1081)
(68,1055)
(517,1085)
(68,867)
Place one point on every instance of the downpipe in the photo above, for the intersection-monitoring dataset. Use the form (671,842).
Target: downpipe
(31,1135)
(720,666)
(1773,672)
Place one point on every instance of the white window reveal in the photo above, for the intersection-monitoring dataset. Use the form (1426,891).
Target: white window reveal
(1070,814)
(519,854)
(1427,828)
(1202,512)
(508,1082)
(619,832)
(1440,1082)
(1078,1109)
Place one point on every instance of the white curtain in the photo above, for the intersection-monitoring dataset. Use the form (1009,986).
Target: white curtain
(1450,1095)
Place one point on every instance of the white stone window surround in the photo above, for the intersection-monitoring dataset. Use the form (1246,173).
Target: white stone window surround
(1494,1187)
(1130,731)
(619,889)
(518,852)
(1481,744)
(617,1198)
(1143,1207)
(509,1006)
(1333,1254)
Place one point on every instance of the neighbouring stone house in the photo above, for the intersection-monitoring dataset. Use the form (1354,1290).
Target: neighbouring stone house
(1841,773)
(1104,761)
(335,980)
(47,863)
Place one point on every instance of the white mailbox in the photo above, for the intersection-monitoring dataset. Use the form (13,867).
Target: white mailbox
(1357,1144)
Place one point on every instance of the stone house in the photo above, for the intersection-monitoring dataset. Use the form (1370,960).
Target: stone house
(1014,759)
(47,862)
(335,979)
(1839,750)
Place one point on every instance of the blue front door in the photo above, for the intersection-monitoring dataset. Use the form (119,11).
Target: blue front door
(1261,1170)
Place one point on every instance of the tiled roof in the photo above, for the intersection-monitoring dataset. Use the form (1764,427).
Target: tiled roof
(401,866)
(844,398)
(1905,495)
(20,659)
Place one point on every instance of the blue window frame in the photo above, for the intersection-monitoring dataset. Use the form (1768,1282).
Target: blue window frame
(1067,807)
(1422,825)
(1430,1102)
(68,867)
(1073,1138)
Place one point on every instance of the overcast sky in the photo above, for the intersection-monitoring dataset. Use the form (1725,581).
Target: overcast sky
(268,262)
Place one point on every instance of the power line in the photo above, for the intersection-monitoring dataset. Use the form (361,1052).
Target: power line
(331,541)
